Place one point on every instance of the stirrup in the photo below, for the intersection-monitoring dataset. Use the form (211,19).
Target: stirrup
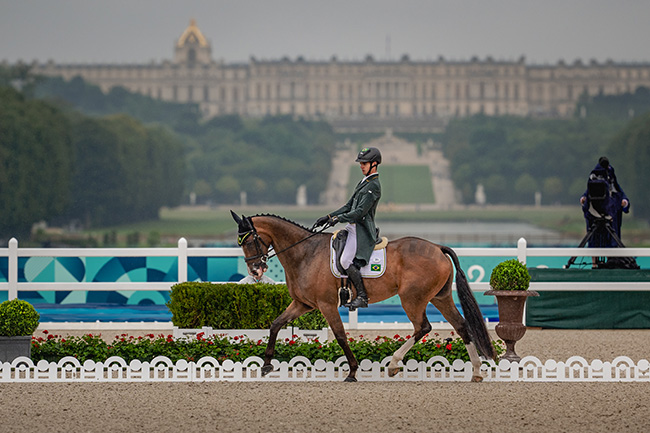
(358,302)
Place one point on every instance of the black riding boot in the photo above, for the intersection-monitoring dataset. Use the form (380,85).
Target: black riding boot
(361,301)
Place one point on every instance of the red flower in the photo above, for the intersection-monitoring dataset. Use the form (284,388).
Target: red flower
(438,345)
(45,331)
(237,338)
(448,346)
(292,342)
(397,337)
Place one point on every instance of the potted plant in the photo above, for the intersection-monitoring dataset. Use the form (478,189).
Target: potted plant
(510,281)
(18,321)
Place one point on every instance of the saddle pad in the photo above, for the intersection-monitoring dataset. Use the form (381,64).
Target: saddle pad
(374,269)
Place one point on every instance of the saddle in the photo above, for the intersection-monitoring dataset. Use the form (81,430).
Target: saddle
(377,261)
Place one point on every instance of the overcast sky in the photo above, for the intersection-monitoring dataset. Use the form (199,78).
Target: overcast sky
(139,31)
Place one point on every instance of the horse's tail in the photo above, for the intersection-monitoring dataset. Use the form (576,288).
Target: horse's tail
(475,324)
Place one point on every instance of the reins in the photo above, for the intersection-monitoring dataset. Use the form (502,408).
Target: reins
(257,239)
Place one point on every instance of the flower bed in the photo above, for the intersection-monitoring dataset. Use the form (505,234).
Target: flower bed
(145,348)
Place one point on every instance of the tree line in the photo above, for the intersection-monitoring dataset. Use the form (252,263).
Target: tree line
(62,165)
(515,157)
(268,158)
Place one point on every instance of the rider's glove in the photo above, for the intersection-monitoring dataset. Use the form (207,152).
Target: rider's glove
(333,220)
(322,220)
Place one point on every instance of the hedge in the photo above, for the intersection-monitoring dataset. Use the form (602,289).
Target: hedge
(234,306)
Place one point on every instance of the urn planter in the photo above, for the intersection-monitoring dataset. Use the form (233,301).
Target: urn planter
(511,304)
(13,347)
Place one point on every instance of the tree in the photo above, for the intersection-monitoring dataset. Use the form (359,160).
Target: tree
(34,162)
(629,153)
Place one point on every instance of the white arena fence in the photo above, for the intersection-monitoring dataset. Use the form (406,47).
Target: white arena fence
(477,275)
(300,369)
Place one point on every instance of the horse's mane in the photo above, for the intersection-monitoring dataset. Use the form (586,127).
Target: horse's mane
(284,219)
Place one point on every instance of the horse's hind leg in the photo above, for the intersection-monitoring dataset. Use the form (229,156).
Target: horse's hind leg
(448,309)
(416,313)
(294,310)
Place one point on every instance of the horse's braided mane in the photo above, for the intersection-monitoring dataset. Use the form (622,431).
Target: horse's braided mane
(283,219)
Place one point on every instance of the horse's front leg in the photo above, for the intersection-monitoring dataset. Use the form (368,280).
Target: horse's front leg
(293,311)
(331,314)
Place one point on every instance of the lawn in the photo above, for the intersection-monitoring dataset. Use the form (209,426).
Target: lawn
(401,184)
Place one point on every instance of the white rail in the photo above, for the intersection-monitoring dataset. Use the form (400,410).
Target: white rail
(182,252)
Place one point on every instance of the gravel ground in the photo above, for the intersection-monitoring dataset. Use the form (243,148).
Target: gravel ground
(357,407)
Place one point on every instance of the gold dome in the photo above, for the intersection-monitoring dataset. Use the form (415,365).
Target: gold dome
(192,35)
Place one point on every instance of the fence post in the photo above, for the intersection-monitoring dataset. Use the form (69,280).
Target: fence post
(12,263)
(521,250)
(182,260)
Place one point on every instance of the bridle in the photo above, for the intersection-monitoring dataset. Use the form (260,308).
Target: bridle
(259,242)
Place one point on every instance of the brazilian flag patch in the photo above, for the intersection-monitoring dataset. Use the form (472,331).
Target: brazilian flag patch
(376,267)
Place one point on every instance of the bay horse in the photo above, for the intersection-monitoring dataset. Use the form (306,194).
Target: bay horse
(418,271)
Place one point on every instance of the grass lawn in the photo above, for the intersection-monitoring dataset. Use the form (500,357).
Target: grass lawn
(400,184)
(217,224)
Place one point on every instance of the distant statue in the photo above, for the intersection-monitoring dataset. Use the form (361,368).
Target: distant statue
(479,196)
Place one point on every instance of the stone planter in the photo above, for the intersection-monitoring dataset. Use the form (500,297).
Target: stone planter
(13,347)
(511,329)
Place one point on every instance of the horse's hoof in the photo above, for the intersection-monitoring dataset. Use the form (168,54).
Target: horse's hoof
(393,371)
(350,379)
(477,378)
(266,369)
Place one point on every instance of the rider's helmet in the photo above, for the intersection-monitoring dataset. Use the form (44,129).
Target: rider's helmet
(369,154)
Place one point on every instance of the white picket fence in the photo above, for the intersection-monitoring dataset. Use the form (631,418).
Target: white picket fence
(300,369)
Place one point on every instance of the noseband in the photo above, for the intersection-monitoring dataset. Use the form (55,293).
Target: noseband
(241,238)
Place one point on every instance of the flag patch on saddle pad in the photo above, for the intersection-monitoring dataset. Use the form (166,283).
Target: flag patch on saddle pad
(375,267)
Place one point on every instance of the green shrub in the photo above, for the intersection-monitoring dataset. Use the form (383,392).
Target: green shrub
(234,306)
(18,318)
(510,275)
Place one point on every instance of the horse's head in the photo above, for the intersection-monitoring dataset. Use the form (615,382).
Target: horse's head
(254,246)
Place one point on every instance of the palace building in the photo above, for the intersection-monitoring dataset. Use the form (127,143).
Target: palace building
(361,95)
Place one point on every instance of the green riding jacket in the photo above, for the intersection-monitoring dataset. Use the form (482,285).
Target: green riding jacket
(360,210)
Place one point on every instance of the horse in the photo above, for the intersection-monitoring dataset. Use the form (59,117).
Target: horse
(418,271)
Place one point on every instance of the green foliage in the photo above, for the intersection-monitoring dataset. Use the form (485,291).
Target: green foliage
(514,157)
(124,171)
(630,155)
(18,318)
(623,106)
(145,348)
(510,275)
(234,306)
(35,164)
(268,158)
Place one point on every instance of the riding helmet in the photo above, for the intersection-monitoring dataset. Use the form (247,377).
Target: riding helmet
(369,154)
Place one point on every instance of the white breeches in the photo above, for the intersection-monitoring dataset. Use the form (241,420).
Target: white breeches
(350,249)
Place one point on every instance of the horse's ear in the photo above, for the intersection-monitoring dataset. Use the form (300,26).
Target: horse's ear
(235,217)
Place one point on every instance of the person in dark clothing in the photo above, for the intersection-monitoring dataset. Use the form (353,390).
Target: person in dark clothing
(610,201)
(359,213)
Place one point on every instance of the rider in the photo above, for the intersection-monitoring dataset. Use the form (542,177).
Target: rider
(359,213)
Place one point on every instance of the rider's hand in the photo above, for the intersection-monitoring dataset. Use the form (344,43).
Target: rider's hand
(333,220)
(624,203)
(321,221)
